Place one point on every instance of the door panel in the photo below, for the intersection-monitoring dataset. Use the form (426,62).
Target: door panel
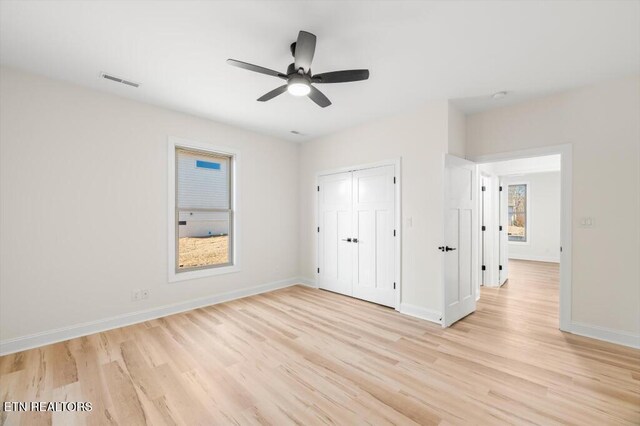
(461,238)
(374,218)
(451,270)
(504,235)
(335,254)
(465,243)
(385,249)
(366,247)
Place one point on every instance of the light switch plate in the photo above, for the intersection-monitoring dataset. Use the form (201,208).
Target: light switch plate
(586,222)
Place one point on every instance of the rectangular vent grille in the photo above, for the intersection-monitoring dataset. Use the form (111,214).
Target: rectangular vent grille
(119,80)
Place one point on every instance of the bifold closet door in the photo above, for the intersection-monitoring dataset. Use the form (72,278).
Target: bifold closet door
(373,223)
(335,222)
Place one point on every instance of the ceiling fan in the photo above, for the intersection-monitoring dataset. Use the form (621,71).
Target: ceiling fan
(299,78)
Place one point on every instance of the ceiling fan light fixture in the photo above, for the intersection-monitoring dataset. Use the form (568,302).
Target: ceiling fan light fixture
(298,87)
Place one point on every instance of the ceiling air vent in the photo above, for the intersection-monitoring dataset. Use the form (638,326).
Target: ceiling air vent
(119,80)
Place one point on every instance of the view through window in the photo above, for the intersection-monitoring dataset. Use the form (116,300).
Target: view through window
(518,212)
(203,210)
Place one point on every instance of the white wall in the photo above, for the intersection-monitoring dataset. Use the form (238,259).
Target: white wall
(543,216)
(83,193)
(602,122)
(421,139)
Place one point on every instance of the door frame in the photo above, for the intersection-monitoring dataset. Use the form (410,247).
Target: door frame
(566,218)
(397,164)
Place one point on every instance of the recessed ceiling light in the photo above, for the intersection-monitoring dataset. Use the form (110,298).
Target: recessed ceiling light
(499,95)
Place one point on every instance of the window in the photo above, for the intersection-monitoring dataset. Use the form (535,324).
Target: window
(202,212)
(518,213)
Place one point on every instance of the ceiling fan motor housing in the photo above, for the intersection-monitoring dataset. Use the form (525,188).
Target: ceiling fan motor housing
(291,69)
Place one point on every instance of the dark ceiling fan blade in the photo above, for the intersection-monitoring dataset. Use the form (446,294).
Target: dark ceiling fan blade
(255,68)
(305,48)
(319,97)
(341,76)
(272,94)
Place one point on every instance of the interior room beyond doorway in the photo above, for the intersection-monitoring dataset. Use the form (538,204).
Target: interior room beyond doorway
(520,220)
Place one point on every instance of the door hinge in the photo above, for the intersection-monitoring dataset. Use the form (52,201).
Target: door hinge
(484,228)
(484,188)
(484,268)
(500,268)
(394,286)
(394,232)
(318,270)
(560,249)
(318,188)
(318,229)
(500,228)
(500,187)
(394,179)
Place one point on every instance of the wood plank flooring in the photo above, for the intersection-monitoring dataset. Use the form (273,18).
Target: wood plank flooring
(305,356)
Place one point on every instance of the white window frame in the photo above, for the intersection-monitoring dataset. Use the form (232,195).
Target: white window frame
(176,143)
(527,216)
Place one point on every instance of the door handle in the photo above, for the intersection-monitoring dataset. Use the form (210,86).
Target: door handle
(441,248)
(355,240)
(447,248)
(347,240)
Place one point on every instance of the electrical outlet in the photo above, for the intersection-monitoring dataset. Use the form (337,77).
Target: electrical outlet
(145,293)
(136,295)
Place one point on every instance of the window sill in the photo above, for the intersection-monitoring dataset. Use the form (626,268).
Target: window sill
(202,273)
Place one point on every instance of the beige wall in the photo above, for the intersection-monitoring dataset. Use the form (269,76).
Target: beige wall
(84,205)
(83,198)
(420,138)
(602,122)
(456,127)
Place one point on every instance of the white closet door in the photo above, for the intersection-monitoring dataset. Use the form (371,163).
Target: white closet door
(335,260)
(373,222)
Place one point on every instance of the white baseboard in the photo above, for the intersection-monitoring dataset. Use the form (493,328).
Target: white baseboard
(608,335)
(309,282)
(420,312)
(65,333)
(552,259)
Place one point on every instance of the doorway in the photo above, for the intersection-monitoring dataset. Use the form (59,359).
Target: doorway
(358,233)
(526,215)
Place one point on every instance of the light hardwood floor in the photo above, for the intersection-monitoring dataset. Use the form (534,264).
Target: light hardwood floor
(305,356)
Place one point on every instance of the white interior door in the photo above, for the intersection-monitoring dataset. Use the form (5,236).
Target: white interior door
(485,214)
(504,234)
(335,251)
(460,235)
(373,225)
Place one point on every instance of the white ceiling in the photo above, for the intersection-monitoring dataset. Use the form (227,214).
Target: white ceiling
(416,51)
